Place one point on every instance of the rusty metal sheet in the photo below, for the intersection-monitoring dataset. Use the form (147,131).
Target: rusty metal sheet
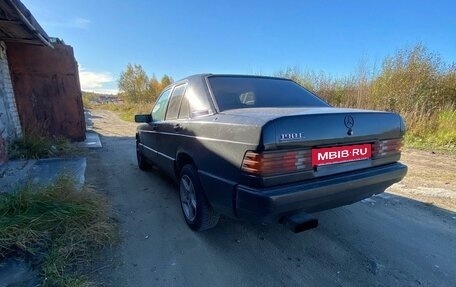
(47,90)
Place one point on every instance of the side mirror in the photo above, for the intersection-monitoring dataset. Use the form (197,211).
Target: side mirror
(147,118)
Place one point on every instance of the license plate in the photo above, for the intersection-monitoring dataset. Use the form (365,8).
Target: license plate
(338,154)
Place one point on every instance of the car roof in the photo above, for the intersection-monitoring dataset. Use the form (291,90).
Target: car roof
(208,75)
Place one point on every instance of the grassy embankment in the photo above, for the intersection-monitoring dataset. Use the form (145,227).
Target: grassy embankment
(414,82)
(58,227)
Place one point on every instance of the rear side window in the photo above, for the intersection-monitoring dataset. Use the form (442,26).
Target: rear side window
(184,111)
(234,92)
(198,103)
(158,112)
(175,102)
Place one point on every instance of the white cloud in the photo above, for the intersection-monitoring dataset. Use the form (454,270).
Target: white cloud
(80,23)
(77,23)
(98,82)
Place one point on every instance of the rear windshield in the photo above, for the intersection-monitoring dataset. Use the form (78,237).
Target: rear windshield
(232,92)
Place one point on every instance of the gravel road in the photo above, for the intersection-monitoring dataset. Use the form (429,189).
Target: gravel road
(386,240)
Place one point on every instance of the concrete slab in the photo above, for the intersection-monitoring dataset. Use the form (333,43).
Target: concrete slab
(16,272)
(46,171)
(88,120)
(14,174)
(92,141)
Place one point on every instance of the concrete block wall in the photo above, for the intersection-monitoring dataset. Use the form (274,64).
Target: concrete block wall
(10,127)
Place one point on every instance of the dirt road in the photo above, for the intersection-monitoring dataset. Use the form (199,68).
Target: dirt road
(387,240)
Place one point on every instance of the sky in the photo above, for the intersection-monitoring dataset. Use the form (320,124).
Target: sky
(181,38)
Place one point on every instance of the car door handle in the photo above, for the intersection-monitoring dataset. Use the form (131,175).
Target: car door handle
(177,127)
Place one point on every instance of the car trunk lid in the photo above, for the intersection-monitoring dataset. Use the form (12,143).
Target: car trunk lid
(317,142)
(321,127)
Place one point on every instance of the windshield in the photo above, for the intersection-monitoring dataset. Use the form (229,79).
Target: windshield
(236,92)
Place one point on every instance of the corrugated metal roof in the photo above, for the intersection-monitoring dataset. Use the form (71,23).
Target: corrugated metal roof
(17,24)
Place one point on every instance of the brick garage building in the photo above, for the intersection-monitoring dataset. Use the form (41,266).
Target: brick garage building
(39,81)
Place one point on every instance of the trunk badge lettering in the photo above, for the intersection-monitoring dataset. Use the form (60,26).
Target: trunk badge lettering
(292,136)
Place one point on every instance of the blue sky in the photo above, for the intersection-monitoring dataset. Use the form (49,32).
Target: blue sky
(180,38)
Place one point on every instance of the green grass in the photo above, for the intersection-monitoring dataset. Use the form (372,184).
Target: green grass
(59,225)
(33,147)
(435,133)
(446,135)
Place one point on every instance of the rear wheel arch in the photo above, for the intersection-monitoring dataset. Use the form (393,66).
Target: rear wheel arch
(196,209)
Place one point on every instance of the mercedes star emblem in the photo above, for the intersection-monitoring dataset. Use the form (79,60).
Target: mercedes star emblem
(349,122)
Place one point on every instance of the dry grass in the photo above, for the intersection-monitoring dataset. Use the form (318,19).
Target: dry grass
(59,224)
(413,82)
(34,146)
(435,130)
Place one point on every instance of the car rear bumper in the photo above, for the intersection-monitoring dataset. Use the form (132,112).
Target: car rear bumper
(270,204)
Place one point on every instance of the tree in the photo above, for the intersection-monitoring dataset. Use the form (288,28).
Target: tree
(136,87)
(134,84)
(166,80)
(155,87)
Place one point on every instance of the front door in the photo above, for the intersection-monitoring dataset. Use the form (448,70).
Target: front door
(169,132)
(149,136)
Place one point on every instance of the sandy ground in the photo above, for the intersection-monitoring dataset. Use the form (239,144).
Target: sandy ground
(431,178)
(404,237)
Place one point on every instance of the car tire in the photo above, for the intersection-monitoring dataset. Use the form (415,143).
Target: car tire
(141,159)
(196,210)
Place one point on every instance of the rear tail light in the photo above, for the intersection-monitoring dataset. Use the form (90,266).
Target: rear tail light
(386,148)
(276,162)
